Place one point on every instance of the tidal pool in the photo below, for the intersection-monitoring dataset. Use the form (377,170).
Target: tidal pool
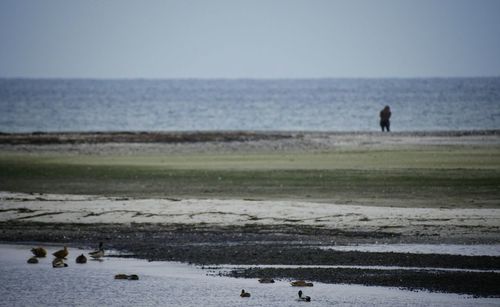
(178,284)
(450,249)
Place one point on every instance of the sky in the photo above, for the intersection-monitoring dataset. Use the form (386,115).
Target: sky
(249,39)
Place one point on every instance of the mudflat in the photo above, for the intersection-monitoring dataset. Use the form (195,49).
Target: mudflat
(262,198)
(459,169)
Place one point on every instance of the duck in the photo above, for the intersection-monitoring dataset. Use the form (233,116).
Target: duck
(133,277)
(39,251)
(304,298)
(266,280)
(59,263)
(301,283)
(81,259)
(244,294)
(99,253)
(33,260)
(125,276)
(63,253)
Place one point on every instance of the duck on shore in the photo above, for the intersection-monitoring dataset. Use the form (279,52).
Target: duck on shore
(33,260)
(63,253)
(39,251)
(266,280)
(303,298)
(244,294)
(99,253)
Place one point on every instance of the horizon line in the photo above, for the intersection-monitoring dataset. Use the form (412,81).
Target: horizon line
(243,78)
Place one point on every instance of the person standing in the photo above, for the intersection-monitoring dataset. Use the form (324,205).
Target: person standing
(385,115)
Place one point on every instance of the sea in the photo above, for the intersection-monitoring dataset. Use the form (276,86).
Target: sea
(421,104)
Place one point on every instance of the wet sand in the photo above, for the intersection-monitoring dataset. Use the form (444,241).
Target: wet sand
(256,246)
(448,225)
(133,143)
(248,237)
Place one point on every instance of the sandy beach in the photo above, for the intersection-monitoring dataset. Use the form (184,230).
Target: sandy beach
(262,198)
(459,225)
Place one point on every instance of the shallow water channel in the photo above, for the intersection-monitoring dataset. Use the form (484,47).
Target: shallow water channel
(450,249)
(178,284)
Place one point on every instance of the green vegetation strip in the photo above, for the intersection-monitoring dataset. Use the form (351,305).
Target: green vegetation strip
(451,157)
(365,178)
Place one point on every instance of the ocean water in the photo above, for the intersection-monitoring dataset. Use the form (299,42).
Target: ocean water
(28,105)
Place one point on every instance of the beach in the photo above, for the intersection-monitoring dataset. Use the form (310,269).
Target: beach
(249,153)
(255,198)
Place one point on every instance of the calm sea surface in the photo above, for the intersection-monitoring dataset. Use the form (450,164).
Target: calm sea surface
(28,105)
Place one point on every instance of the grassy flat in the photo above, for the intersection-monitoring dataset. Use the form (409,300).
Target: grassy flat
(452,176)
(450,157)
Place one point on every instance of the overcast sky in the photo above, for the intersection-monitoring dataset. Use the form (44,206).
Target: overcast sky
(249,39)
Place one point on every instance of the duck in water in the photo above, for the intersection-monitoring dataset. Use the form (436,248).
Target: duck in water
(303,298)
(99,253)
(63,253)
(59,263)
(81,259)
(39,251)
(266,281)
(301,283)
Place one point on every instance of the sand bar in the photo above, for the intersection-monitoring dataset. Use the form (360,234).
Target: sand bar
(52,208)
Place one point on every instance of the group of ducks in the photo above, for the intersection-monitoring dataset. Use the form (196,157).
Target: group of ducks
(60,256)
(297,283)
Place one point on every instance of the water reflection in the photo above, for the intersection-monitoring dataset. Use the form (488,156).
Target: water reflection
(177,284)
